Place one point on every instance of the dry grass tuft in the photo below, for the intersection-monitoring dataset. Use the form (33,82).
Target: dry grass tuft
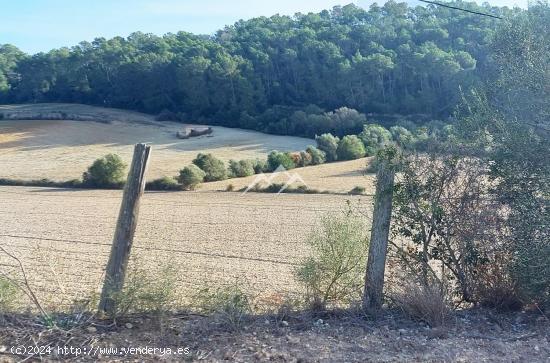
(423,303)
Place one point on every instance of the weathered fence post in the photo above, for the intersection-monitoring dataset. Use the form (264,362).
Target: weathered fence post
(125,228)
(376,263)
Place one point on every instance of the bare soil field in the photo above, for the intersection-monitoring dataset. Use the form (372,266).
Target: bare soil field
(63,237)
(63,149)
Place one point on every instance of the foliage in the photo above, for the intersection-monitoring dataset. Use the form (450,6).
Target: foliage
(495,288)
(144,292)
(191,176)
(229,303)
(260,166)
(350,148)
(328,144)
(9,295)
(241,168)
(74,183)
(402,136)
(385,59)
(334,272)
(506,124)
(106,172)
(442,215)
(374,137)
(317,156)
(164,183)
(305,159)
(275,159)
(213,167)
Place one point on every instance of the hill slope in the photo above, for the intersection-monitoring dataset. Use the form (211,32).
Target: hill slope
(63,149)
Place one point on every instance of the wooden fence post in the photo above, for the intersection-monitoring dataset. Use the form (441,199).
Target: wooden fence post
(125,229)
(376,263)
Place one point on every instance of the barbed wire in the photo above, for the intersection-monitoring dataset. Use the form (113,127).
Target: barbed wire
(55,254)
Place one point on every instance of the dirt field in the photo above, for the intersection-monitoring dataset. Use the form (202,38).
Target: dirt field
(62,150)
(64,237)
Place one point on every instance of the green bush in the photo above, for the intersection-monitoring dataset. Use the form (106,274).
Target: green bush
(241,168)
(402,136)
(213,168)
(145,292)
(328,144)
(374,137)
(305,159)
(350,148)
(276,159)
(317,156)
(191,176)
(9,296)
(106,172)
(334,273)
(260,166)
(164,183)
(229,303)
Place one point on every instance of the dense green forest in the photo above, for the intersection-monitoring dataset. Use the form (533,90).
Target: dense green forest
(303,75)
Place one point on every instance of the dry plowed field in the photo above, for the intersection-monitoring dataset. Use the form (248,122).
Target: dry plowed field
(63,237)
(62,150)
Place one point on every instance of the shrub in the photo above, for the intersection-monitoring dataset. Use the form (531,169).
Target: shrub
(278,188)
(229,303)
(73,183)
(143,293)
(317,156)
(276,159)
(334,273)
(423,303)
(213,168)
(296,158)
(241,168)
(402,136)
(350,148)
(164,183)
(305,159)
(260,166)
(328,144)
(9,295)
(191,176)
(106,172)
(495,288)
(374,137)
(347,120)
(441,210)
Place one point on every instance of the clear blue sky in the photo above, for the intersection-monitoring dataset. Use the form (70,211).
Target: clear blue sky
(40,25)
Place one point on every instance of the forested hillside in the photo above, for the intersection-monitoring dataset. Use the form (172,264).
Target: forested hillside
(278,74)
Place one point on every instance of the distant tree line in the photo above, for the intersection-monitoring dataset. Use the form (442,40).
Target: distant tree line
(282,74)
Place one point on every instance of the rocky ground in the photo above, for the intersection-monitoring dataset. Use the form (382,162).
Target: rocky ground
(470,336)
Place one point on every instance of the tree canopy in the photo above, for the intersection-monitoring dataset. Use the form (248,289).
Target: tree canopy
(260,72)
